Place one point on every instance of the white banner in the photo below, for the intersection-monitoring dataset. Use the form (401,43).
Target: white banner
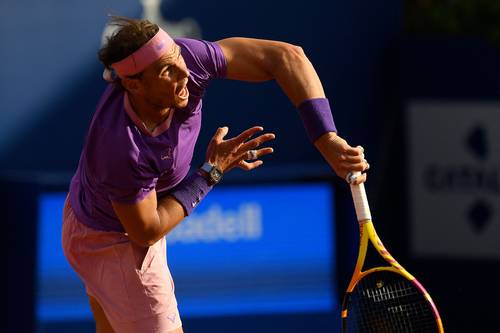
(454,179)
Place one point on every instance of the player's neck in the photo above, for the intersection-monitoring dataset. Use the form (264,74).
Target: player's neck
(151,115)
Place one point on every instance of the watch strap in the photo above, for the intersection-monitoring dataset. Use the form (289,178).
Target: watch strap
(207,167)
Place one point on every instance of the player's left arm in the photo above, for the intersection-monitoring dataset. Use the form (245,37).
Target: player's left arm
(259,60)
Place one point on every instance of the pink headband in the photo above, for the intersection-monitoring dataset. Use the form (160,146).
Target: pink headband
(135,63)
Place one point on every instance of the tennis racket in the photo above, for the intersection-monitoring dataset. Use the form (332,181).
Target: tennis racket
(384,299)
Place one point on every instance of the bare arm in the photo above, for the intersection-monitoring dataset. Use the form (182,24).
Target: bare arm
(260,60)
(148,220)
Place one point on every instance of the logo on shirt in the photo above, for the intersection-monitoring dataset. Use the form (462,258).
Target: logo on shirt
(167,155)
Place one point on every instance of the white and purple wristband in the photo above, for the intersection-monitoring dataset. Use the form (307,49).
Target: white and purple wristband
(317,117)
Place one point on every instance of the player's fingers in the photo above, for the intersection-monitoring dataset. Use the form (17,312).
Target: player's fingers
(254,154)
(247,134)
(220,134)
(247,166)
(354,151)
(360,179)
(254,143)
(355,177)
(362,166)
(351,158)
(250,156)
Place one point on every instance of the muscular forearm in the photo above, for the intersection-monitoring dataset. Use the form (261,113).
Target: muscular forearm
(180,202)
(326,146)
(149,219)
(299,80)
(170,214)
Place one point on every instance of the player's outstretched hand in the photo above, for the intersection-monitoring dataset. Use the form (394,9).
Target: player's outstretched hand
(343,158)
(241,151)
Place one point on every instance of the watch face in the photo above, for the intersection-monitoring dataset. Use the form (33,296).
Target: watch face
(216,175)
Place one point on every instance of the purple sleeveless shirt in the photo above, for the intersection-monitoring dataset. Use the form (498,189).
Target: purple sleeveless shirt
(122,162)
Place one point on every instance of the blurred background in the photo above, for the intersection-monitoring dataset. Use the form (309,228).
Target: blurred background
(416,82)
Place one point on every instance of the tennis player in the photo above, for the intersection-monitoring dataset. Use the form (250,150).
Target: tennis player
(132,185)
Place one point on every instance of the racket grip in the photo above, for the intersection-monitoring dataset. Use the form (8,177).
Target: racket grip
(360,200)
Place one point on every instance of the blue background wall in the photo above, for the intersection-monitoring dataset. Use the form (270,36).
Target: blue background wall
(51,81)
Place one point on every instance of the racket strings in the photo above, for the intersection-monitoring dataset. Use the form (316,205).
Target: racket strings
(385,302)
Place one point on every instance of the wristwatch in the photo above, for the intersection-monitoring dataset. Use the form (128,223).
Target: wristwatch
(212,174)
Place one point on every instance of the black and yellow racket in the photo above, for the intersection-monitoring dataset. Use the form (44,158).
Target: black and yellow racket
(384,299)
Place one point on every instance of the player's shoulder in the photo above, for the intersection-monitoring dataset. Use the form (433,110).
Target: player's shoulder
(112,135)
(199,50)
(204,59)
(193,45)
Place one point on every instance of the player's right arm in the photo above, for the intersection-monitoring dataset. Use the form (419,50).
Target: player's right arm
(149,219)
(257,60)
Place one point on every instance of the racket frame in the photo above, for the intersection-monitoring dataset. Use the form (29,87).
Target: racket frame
(368,234)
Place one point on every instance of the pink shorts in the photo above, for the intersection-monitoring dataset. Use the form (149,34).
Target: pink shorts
(133,285)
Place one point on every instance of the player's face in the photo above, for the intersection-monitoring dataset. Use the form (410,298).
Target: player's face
(164,83)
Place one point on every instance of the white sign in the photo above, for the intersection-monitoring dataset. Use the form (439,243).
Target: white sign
(217,224)
(454,179)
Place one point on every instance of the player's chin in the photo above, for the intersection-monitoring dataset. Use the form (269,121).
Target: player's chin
(181,101)
(180,104)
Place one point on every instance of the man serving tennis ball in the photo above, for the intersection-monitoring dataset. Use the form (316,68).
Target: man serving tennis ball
(132,185)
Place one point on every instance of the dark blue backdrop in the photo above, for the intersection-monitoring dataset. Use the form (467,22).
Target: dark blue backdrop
(51,81)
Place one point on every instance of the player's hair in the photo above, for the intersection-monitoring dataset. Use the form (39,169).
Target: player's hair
(130,36)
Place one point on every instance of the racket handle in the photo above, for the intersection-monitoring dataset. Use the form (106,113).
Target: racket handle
(360,200)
